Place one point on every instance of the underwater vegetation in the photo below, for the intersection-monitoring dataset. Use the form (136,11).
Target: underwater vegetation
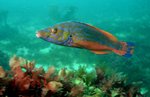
(25,80)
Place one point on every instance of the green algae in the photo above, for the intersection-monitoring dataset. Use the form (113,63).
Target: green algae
(27,80)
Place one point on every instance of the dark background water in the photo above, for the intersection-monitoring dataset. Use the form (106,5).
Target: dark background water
(128,20)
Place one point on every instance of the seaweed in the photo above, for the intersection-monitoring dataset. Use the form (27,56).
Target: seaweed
(25,80)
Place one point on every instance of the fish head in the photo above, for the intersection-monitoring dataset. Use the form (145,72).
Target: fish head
(56,34)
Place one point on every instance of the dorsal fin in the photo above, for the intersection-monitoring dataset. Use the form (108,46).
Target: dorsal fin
(109,35)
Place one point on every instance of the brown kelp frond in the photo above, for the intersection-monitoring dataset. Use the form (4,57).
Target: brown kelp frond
(2,72)
(25,80)
(49,72)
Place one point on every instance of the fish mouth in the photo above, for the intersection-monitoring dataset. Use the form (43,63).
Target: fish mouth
(38,35)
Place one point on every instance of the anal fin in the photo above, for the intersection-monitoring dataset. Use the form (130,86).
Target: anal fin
(100,52)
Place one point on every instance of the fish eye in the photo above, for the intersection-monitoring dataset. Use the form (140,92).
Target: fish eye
(54,30)
(70,35)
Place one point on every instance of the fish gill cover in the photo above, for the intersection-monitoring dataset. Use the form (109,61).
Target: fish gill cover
(129,20)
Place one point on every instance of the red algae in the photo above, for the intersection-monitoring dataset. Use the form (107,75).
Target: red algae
(25,80)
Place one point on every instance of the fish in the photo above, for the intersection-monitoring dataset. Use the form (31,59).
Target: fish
(85,36)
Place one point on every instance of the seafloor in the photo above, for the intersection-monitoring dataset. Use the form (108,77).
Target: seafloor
(26,80)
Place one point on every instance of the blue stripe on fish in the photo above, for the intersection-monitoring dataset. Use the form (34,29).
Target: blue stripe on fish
(130,46)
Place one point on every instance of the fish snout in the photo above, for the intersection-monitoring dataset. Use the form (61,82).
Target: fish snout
(38,34)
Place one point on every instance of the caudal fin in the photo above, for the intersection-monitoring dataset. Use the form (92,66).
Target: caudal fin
(127,49)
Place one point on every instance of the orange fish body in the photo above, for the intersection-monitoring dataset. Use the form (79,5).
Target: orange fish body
(81,35)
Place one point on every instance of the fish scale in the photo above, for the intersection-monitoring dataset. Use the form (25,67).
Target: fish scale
(82,35)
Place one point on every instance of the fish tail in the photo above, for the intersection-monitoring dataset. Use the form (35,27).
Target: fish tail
(127,49)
